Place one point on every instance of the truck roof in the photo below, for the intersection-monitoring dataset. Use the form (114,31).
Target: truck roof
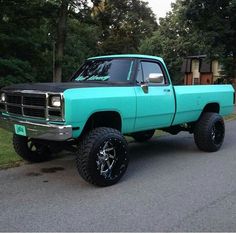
(128,56)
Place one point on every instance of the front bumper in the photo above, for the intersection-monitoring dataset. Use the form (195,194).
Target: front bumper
(36,130)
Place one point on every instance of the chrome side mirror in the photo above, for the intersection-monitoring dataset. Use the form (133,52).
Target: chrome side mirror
(152,78)
(156,78)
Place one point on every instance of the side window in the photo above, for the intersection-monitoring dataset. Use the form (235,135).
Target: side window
(151,68)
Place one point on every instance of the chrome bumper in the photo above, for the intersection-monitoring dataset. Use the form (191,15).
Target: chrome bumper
(36,130)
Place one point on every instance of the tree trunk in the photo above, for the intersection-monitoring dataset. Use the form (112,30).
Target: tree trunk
(234,65)
(60,40)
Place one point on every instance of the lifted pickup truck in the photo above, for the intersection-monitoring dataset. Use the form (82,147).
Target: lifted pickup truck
(107,98)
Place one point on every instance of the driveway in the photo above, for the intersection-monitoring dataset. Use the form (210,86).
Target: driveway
(169,186)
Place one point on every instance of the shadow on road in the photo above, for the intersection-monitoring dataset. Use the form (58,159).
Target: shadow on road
(161,146)
(159,153)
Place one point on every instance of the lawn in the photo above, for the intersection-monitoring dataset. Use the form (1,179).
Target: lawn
(8,158)
(230,117)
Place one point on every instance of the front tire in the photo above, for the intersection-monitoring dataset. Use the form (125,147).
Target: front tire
(102,156)
(209,132)
(30,149)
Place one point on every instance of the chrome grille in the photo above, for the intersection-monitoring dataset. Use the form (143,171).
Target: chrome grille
(31,105)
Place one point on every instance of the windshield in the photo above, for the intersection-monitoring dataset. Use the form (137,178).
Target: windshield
(114,70)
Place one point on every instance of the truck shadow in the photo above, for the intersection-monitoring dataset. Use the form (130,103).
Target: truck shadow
(163,146)
(160,153)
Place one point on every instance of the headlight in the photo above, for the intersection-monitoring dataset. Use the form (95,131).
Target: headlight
(55,101)
(3,97)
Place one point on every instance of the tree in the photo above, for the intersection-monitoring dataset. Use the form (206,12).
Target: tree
(175,39)
(28,31)
(33,32)
(124,23)
(24,42)
(60,39)
(217,18)
(81,43)
(65,9)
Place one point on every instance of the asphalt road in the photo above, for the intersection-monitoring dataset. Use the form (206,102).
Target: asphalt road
(169,186)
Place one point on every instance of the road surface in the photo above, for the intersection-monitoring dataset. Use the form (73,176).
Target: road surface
(169,186)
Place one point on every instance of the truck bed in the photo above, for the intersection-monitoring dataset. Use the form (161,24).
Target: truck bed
(191,100)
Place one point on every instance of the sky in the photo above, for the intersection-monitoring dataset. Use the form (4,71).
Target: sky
(160,7)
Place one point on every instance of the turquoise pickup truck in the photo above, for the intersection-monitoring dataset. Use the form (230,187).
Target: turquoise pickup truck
(107,98)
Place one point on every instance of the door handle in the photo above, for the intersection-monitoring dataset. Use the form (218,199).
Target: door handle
(166,90)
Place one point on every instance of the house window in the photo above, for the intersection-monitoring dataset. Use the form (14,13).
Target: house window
(196,81)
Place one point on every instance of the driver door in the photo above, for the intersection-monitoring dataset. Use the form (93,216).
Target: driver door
(156,107)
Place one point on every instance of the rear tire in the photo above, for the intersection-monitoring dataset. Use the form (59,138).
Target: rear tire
(102,156)
(209,132)
(143,136)
(31,150)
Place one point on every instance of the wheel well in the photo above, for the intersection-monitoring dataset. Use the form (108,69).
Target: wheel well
(213,107)
(109,119)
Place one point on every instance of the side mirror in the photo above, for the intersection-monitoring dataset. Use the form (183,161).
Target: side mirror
(156,78)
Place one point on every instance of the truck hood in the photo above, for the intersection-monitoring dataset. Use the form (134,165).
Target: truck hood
(59,87)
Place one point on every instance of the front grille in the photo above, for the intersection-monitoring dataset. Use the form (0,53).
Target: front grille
(33,105)
(55,113)
(34,112)
(14,99)
(14,109)
(2,107)
(34,101)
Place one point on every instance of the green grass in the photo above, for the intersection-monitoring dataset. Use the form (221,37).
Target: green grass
(230,117)
(8,157)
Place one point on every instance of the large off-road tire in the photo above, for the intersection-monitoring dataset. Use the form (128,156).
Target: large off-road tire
(102,156)
(31,150)
(143,136)
(209,132)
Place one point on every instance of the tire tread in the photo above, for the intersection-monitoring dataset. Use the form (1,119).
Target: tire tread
(84,148)
(20,147)
(201,131)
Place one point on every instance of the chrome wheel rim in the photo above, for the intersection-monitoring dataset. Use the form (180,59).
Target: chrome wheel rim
(217,133)
(111,159)
(106,159)
(31,145)
(35,147)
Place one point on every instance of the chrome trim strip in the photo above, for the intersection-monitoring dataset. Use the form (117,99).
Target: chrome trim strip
(26,106)
(22,108)
(47,104)
(62,107)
